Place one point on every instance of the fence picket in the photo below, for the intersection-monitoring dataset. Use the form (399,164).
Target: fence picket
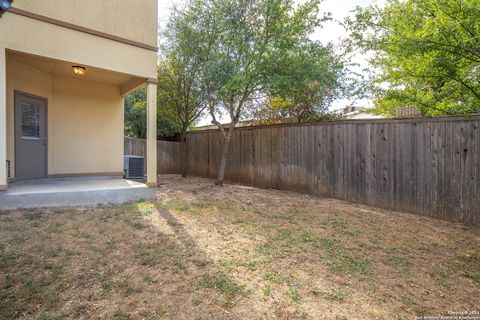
(427,166)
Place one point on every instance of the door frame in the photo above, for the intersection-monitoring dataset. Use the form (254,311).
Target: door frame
(17,93)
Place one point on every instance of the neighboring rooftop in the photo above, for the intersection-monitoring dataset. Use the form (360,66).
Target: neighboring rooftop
(353,112)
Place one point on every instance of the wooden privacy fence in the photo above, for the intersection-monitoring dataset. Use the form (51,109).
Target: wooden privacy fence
(168,154)
(427,166)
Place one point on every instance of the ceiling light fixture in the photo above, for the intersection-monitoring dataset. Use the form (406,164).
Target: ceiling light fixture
(79,70)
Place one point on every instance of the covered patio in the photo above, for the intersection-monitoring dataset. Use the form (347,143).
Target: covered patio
(64,137)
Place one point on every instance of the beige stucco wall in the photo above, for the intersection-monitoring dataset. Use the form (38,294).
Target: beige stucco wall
(85,121)
(134,20)
(85,128)
(40,38)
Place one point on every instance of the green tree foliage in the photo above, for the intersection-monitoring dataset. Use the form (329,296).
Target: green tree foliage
(427,53)
(179,91)
(303,86)
(244,45)
(136,117)
(136,114)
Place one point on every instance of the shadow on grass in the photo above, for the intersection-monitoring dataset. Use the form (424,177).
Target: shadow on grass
(108,262)
(215,278)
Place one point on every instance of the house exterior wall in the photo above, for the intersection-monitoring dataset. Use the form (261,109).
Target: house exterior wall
(134,20)
(48,40)
(85,121)
(85,127)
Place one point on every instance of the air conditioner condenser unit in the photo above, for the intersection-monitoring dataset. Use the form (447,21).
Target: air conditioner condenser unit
(133,167)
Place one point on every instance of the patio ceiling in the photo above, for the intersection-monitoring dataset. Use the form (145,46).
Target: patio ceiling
(126,82)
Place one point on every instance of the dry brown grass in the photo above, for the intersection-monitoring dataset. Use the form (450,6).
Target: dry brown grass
(205,252)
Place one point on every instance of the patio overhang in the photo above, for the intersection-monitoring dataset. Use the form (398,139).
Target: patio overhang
(125,82)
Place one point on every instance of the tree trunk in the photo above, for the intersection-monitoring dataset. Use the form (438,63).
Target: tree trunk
(223,161)
(184,154)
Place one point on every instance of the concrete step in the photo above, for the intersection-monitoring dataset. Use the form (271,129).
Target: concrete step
(73,192)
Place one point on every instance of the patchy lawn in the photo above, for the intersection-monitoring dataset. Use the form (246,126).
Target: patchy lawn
(205,252)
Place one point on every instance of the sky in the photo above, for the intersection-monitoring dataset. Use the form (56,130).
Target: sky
(331,31)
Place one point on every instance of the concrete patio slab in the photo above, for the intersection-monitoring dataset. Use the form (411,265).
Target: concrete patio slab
(73,192)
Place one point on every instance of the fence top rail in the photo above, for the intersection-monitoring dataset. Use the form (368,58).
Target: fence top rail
(471,117)
(140,139)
